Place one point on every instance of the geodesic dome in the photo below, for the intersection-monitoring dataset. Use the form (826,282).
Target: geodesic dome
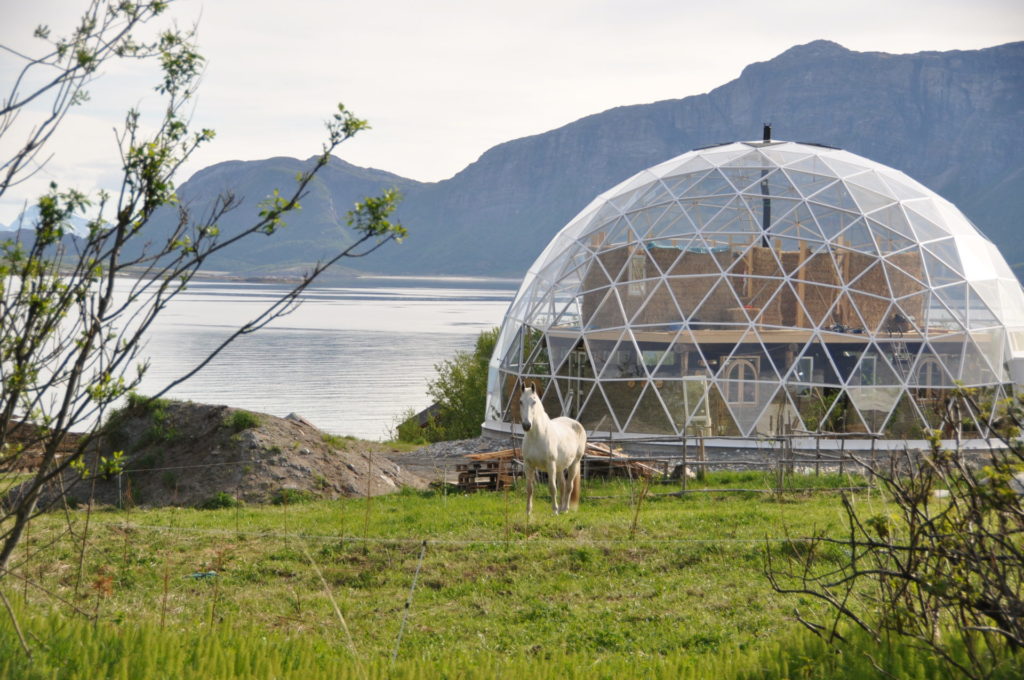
(758,288)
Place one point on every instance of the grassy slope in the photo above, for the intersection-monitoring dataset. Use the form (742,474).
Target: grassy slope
(686,588)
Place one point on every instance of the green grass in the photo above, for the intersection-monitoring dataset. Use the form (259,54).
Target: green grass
(493,591)
(240,420)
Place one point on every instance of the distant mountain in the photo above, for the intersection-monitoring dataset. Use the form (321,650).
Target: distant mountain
(951,120)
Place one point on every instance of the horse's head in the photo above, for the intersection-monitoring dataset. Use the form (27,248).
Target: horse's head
(528,401)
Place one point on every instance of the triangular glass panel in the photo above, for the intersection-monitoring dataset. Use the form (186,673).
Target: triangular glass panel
(915,309)
(939,273)
(992,344)
(906,273)
(663,360)
(690,292)
(889,241)
(649,416)
(949,349)
(536,351)
(924,229)
(836,195)
(684,398)
(814,304)
(601,309)
(946,250)
(623,361)
(895,219)
(930,372)
(722,422)
(871,181)
(779,185)
(873,311)
(926,209)
(845,354)
(754,293)
(814,367)
(682,165)
(867,274)
(955,299)
(779,417)
(901,356)
(601,349)
(832,413)
(512,360)
(720,306)
(794,221)
(644,219)
(813,165)
(868,200)
(672,224)
(732,217)
(856,236)
(595,415)
(747,401)
(843,168)
(712,184)
(847,315)
(976,369)
(742,178)
(701,211)
(569,318)
(659,307)
(874,404)
(680,184)
(750,159)
(551,399)
(979,315)
(905,421)
(808,184)
(655,194)
(616,234)
(622,396)
(902,188)
(559,348)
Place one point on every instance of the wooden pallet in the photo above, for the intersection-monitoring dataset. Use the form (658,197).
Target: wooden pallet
(485,475)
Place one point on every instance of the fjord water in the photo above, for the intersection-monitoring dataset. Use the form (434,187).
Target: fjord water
(350,359)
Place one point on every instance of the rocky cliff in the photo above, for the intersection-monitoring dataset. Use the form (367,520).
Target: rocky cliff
(949,119)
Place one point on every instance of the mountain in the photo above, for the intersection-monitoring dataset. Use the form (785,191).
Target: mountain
(951,120)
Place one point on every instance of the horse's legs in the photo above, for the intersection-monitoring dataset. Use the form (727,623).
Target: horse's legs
(553,485)
(530,475)
(572,487)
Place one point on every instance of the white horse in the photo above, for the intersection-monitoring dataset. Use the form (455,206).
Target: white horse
(555,446)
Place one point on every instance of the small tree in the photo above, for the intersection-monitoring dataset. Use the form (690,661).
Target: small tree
(944,570)
(459,392)
(69,336)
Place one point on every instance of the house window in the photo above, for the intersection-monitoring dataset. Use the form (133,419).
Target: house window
(741,380)
(637,274)
(929,376)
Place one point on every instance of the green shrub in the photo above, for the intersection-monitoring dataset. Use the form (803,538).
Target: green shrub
(292,496)
(460,392)
(338,441)
(220,500)
(240,420)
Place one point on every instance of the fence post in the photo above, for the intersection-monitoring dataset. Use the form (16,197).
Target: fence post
(703,468)
(817,455)
(685,446)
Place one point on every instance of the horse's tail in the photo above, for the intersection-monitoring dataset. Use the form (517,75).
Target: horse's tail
(574,495)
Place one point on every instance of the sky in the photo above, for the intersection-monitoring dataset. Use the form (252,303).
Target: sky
(442,81)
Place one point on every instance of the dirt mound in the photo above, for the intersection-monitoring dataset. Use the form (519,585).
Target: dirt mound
(178,453)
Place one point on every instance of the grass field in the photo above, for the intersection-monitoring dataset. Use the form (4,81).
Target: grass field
(435,580)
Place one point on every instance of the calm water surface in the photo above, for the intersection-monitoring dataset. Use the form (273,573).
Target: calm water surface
(350,359)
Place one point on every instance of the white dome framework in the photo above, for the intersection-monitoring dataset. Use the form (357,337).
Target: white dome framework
(759,288)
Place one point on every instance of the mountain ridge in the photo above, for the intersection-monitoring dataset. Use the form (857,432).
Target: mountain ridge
(943,117)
